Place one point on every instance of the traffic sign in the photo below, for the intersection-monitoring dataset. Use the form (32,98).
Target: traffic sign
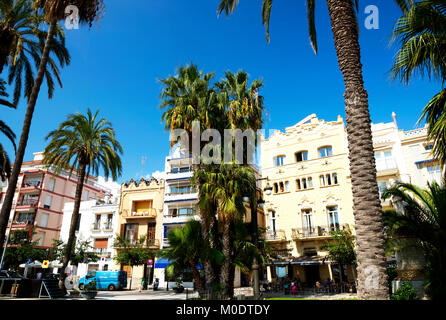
(45,264)
(150,262)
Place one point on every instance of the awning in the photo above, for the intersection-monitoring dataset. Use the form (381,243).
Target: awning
(426,161)
(162,263)
(308,260)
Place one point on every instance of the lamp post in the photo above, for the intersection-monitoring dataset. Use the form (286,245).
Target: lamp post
(255,265)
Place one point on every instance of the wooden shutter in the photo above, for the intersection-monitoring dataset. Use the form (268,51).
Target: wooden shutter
(151,231)
(135,232)
(101,243)
(123,230)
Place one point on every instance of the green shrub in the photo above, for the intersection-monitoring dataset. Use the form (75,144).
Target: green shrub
(405,292)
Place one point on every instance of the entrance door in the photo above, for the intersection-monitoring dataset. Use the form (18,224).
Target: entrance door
(312,275)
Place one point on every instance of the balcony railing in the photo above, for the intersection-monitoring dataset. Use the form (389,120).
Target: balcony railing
(96,227)
(149,213)
(108,225)
(31,184)
(102,252)
(316,232)
(278,235)
(385,164)
(153,243)
(27,203)
(23,222)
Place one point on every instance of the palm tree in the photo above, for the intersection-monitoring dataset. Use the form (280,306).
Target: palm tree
(227,186)
(22,40)
(53,10)
(186,250)
(422,217)
(244,106)
(188,97)
(366,202)
(421,33)
(85,144)
(5,165)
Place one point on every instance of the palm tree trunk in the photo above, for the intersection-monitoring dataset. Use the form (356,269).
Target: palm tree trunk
(372,277)
(197,277)
(12,182)
(207,267)
(226,266)
(74,222)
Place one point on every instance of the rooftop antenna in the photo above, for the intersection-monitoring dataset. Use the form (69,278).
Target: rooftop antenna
(143,161)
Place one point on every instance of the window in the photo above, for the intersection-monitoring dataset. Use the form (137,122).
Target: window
(51,184)
(151,231)
(333,219)
(182,212)
(47,203)
(272,221)
(183,189)
(281,186)
(78,222)
(310,182)
(325,152)
(304,183)
(382,186)
(301,156)
(428,147)
(279,161)
(434,173)
(85,195)
(328,179)
(25,217)
(335,178)
(44,220)
(298,184)
(287,186)
(130,232)
(276,189)
(322,179)
(307,221)
(384,160)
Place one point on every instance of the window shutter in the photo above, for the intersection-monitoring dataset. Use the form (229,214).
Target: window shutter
(135,232)
(122,234)
(101,243)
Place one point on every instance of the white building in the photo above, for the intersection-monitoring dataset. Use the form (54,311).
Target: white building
(98,224)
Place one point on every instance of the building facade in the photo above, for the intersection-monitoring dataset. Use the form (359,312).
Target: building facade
(141,213)
(98,224)
(40,196)
(307,167)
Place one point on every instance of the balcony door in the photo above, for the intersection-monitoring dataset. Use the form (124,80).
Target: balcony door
(333,218)
(307,221)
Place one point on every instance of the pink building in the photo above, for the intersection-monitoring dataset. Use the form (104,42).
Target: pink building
(40,198)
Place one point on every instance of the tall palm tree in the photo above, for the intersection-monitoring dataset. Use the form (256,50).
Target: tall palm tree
(366,202)
(244,105)
(421,33)
(5,165)
(86,144)
(188,97)
(22,40)
(423,217)
(53,11)
(226,186)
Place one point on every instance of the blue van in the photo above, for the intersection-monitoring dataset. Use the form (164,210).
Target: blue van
(105,280)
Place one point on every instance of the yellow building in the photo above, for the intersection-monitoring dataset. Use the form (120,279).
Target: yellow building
(307,166)
(141,213)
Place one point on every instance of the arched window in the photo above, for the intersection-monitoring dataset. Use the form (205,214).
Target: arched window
(301,156)
(325,151)
(279,160)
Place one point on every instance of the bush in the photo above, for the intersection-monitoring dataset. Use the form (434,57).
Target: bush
(405,292)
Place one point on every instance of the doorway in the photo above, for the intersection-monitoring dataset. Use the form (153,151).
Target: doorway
(312,275)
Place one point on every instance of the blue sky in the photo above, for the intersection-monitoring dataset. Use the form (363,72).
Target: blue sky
(115,68)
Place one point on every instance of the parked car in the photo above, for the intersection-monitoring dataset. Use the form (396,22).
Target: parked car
(105,280)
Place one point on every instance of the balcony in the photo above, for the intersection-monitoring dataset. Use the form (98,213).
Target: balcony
(278,235)
(27,205)
(150,213)
(96,227)
(30,186)
(175,176)
(153,243)
(22,223)
(102,252)
(183,160)
(181,196)
(108,226)
(315,232)
(386,166)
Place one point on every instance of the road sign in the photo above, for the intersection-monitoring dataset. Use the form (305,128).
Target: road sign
(45,264)
(150,262)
